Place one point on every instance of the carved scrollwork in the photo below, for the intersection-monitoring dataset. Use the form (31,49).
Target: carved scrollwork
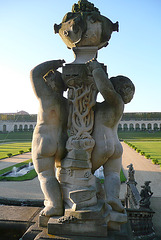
(65,219)
(81,116)
(87,174)
(69,172)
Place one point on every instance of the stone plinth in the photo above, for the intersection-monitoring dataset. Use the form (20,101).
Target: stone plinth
(89,222)
(84,54)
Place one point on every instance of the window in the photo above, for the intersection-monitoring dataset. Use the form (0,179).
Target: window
(20,127)
(149,126)
(119,127)
(25,127)
(156,126)
(131,126)
(137,126)
(4,128)
(15,128)
(125,127)
(143,126)
(31,127)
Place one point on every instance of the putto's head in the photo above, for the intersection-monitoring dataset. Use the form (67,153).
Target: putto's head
(55,81)
(124,87)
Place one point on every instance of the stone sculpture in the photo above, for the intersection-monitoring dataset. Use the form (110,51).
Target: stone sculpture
(131,173)
(145,195)
(49,137)
(77,134)
(107,151)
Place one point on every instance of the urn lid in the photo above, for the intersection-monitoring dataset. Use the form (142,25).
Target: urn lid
(84,26)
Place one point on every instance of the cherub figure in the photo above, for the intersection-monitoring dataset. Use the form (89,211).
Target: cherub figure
(131,173)
(50,133)
(116,91)
(145,195)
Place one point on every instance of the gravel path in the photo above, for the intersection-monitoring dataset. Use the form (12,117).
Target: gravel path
(7,162)
(28,190)
(145,170)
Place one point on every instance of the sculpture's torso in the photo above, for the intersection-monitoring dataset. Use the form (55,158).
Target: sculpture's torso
(50,133)
(105,135)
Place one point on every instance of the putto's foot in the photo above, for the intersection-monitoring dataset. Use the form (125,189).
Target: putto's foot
(116,204)
(50,211)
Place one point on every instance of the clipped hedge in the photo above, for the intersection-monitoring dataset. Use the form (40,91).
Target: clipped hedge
(142,153)
(155,161)
(9,155)
(21,151)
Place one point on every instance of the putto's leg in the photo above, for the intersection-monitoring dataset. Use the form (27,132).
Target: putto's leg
(50,187)
(112,183)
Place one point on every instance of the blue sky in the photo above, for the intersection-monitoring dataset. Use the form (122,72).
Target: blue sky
(27,39)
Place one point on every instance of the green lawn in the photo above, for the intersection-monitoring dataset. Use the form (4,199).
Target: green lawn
(13,148)
(153,148)
(150,143)
(140,136)
(32,174)
(15,137)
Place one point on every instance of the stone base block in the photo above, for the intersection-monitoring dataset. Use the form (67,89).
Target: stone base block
(92,221)
(116,219)
(80,228)
(36,233)
(99,212)
(43,221)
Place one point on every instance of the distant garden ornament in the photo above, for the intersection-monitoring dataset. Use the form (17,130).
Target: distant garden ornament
(131,172)
(145,195)
(77,135)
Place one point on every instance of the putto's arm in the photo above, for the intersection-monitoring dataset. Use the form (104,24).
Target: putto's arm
(36,76)
(103,83)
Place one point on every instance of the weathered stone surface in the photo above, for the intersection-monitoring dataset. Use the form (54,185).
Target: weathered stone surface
(35,233)
(50,130)
(43,221)
(100,211)
(17,213)
(85,228)
(156,206)
(82,195)
(77,134)
(84,54)
(92,221)
(84,27)
(15,220)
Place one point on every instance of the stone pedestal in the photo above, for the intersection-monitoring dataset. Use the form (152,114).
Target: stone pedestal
(84,54)
(86,211)
(78,184)
(89,222)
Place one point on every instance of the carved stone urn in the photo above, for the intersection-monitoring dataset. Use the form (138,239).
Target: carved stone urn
(85,30)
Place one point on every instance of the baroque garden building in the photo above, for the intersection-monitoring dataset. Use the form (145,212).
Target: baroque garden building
(139,121)
(20,121)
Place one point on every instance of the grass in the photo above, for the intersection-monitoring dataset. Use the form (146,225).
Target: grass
(32,174)
(147,142)
(15,137)
(122,177)
(13,148)
(153,148)
(140,136)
